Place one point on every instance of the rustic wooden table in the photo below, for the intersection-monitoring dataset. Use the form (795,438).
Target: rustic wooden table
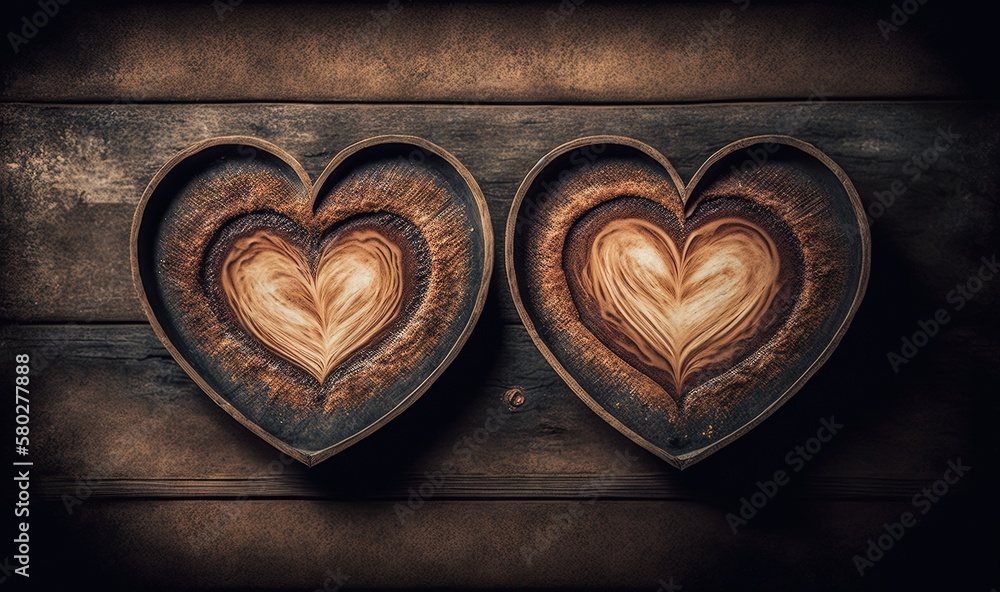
(140,478)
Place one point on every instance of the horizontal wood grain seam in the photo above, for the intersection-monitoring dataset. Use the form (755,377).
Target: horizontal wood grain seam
(776,100)
(469,487)
(956,99)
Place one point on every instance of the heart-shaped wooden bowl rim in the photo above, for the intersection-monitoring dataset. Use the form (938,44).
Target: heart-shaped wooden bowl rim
(685,192)
(139,279)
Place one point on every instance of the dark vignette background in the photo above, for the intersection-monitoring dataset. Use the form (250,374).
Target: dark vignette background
(166,491)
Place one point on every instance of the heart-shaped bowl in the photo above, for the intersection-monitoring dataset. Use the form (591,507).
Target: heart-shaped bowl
(685,315)
(313,312)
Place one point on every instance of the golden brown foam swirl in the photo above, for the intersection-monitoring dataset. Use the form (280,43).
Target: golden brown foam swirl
(314,320)
(681,310)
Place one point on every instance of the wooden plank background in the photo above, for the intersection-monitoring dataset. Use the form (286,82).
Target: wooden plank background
(579,51)
(140,477)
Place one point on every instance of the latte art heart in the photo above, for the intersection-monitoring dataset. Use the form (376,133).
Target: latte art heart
(314,319)
(684,314)
(681,309)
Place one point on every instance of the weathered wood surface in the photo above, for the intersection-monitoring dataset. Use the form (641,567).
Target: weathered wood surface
(300,545)
(113,412)
(72,175)
(161,473)
(399,50)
